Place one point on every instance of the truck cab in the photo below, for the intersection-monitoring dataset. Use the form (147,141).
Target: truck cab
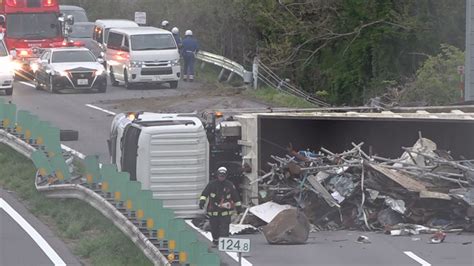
(167,153)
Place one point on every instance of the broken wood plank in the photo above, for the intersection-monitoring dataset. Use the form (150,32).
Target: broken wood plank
(434,195)
(401,179)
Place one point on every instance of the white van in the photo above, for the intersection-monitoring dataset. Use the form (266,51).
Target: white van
(142,55)
(167,153)
(101,33)
(6,68)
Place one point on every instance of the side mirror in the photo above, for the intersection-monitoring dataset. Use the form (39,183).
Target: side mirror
(13,53)
(100,60)
(2,20)
(101,55)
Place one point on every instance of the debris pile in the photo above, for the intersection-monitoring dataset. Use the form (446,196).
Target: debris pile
(423,191)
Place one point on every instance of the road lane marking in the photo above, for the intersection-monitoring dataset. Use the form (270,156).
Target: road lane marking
(416,258)
(28,84)
(100,109)
(73,151)
(39,240)
(208,235)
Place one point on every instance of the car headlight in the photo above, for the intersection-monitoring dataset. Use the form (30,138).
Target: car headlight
(136,64)
(175,62)
(99,72)
(34,67)
(61,73)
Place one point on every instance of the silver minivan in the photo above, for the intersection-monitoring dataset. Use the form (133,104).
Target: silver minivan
(101,33)
(142,55)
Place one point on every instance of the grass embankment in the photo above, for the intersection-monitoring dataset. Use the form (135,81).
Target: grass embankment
(91,236)
(264,94)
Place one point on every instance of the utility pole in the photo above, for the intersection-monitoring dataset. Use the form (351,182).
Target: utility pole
(469,53)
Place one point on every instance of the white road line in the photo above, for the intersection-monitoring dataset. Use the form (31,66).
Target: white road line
(52,255)
(28,84)
(74,152)
(208,235)
(100,109)
(416,258)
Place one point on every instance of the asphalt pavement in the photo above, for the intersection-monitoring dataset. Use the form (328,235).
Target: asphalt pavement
(25,241)
(81,111)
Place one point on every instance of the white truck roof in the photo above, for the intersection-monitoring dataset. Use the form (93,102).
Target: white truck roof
(140,30)
(114,23)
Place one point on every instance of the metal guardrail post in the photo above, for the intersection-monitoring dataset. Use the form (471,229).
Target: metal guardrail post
(255,72)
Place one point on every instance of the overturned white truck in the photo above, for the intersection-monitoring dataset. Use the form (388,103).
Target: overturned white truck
(175,155)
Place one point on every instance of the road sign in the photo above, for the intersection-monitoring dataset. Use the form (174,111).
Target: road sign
(234,245)
(140,18)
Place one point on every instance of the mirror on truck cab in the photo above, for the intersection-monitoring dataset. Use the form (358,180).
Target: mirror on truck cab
(2,21)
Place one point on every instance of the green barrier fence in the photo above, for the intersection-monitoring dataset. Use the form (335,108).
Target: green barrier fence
(173,234)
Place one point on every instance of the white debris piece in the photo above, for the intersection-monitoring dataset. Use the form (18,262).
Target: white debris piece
(269,210)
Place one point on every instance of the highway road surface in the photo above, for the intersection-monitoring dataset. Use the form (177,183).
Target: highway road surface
(90,114)
(25,241)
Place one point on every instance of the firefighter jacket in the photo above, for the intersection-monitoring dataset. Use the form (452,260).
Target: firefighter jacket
(223,198)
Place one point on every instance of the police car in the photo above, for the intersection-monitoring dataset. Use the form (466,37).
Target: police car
(6,69)
(69,68)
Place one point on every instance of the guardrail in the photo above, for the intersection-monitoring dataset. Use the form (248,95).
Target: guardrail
(164,239)
(226,64)
(260,72)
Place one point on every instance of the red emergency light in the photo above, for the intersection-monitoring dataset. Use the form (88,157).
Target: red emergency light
(15,3)
(22,3)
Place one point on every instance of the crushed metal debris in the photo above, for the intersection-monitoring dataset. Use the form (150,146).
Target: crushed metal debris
(423,191)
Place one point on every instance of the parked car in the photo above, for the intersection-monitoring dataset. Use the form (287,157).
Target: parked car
(101,33)
(82,32)
(7,72)
(142,55)
(70,68)
(78,13)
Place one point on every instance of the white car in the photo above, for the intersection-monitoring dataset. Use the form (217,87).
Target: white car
(143,55)
(7,72)
(70,68)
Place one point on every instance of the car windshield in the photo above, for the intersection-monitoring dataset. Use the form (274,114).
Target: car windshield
(3,50)
(33,26)
(152,42)
(82,31)
(79,15)
(72,56)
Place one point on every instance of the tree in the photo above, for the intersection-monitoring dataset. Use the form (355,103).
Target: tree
(437,81)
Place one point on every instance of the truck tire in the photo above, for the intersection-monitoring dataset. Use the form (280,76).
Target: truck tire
(174,84)
(115,83)
(68,135)
(128,85)
(9,91)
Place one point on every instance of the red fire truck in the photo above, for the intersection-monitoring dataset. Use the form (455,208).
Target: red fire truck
(30,25)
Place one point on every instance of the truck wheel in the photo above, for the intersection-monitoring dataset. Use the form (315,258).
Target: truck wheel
(68,135)
(9,91)
(103,88)
(51,86)
(115,83)
(128,85)
(173,84)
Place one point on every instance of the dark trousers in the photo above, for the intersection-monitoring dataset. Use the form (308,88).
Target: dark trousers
(219,226)
(188,63)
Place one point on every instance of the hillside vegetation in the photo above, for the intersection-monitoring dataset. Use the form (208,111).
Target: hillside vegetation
(351,49)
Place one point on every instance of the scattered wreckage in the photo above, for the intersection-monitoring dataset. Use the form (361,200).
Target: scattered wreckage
(424,191)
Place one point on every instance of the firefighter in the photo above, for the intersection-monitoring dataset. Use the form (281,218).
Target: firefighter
(223,198)
(189,49)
